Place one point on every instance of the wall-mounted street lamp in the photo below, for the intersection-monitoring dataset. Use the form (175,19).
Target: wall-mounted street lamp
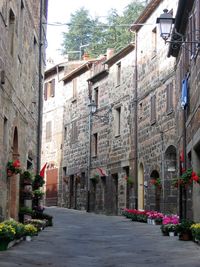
(165,22)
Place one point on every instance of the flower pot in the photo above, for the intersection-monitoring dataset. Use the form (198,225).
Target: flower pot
(28,238)
(3,244)
(185,237)
(171,234)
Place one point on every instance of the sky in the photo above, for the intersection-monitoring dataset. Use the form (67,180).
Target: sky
(60,10)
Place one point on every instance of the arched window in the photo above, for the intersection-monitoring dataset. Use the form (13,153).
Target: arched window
(170,159)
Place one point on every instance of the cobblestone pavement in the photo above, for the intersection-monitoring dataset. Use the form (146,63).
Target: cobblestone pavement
(80,239)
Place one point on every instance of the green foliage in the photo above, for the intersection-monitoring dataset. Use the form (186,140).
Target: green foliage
(113,33)
(38,181)
(184,226)
(25,210)
(43,216)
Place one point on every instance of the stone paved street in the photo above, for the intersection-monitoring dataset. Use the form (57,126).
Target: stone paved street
(80,239)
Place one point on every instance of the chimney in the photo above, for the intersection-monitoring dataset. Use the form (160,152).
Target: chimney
(110,52)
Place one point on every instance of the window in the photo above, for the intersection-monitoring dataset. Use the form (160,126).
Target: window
(96,96)
(74,88)
(5,133)
(153,109)
(140,110)
(65,133)
(11,31)
(3,11)
(74,132)
(118,73)
(49,89)
(169,91)
(94,144)
(64,171)
(192,34)
(154,42)
(118,121)
(48,131)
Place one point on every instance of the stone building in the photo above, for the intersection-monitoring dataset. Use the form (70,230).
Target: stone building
(55,96)
(98,149)
(187,23)
(20,67)
(156,112)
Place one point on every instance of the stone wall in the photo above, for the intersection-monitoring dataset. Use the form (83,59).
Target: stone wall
(19,48)
(155,73)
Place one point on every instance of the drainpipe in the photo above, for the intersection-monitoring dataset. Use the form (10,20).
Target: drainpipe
(89,147)
(136,124)
(184,192)
(39,130)
(163,167)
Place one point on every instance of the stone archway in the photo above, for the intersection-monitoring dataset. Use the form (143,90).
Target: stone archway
(141,187)
(14,182)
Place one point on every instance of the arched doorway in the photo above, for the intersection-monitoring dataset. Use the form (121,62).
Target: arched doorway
(155,175)
(13,196)
(141,187)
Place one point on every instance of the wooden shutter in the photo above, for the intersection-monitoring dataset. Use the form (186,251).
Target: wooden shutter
(74,88)
(53,88)
(45,91)
(153,109)
(169,90)
(48,131)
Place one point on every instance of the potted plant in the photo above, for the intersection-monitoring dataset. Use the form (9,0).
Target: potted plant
(38,193)
(195,228)
(184,230)
(38,181)
(26,178)
(13,167)
(7,234)
(156,182)
(27,193)
(186,179)
(30,230)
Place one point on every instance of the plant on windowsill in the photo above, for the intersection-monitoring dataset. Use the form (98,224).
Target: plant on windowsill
(13,167)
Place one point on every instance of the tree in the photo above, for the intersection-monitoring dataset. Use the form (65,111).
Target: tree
(114,33)
(80,33)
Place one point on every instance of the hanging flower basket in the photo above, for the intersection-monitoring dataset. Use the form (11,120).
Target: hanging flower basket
(156,182)
(186,179)
(13,167)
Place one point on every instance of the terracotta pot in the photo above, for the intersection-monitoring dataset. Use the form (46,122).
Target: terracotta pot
(185,237)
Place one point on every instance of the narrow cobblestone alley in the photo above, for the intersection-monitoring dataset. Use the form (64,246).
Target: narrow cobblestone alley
(80,239)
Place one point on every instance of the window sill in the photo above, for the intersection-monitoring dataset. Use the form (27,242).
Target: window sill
(169,111)
(153,122)
(74,99)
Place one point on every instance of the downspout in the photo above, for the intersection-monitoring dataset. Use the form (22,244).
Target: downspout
(39,130)
(89,147)
(136,123)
